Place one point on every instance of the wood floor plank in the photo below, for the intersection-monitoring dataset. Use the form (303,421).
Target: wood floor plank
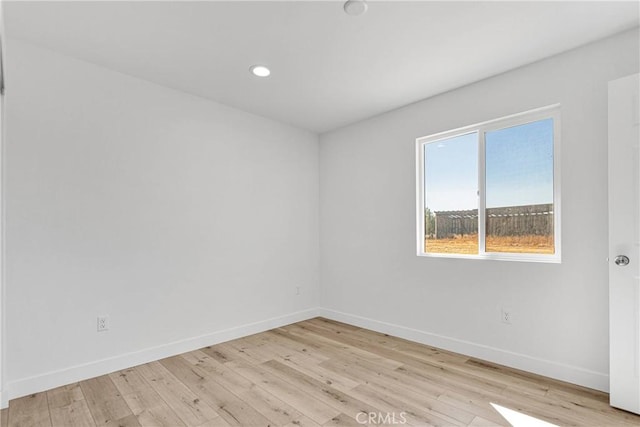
(107,406)
(218,422)
(32,411)
(185,403)
(343,402)
(68,407)
(390,379)
(147,405)
(251,352)
(564,409)
(227,353)
(4,417)
(76,414)
(128,421)
(412,392)
(290,348)
(387,342)
(274,409)
(368,336)
(65,395)
(275,350)
(219,353)
(373,352)
(342,420)
(449,379)
(334,379)
(346,346)
(550,383)
(420,363)
(318,411)
(589,404)
(399,409)
(228,405)
(218,372)
(277,411)
(315,373)
(480,404)
(510,380)
(474,406)
(481,422)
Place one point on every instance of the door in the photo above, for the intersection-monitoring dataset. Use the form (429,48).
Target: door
(4,402)
(624,243)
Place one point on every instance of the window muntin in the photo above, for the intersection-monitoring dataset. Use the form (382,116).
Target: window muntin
(516,213)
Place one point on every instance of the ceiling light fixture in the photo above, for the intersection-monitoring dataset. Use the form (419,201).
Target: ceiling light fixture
(260,71)
(355,7)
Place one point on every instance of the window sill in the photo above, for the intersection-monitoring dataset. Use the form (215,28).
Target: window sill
(549,259)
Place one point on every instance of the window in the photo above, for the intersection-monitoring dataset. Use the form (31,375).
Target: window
(491,191)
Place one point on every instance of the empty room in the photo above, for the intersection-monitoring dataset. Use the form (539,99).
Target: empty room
(319,213)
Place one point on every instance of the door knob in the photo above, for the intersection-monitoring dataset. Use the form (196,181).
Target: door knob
(621,260)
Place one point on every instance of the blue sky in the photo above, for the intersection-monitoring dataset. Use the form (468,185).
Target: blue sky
(451,173)
(519,168)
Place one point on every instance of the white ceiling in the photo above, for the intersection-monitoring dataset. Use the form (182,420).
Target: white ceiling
(328,68)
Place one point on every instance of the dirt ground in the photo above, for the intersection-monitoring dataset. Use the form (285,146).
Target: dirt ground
(468,244)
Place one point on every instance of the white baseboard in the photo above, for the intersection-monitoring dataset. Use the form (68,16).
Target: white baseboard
(548,368)
(77,373)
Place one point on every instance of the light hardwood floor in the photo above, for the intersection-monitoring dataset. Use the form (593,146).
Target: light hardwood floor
(316,372)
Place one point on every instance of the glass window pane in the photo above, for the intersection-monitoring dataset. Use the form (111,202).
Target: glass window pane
(451,195)
(519,189)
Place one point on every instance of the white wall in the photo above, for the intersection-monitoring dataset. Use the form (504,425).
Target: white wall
(371,275)
(178,217)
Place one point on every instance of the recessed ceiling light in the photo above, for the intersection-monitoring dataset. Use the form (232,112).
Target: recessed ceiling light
(355,7)
(260,71)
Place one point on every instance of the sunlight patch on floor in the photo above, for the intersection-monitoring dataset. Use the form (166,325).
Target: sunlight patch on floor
(518,419)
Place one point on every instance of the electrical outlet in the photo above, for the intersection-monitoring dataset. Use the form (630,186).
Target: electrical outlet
(297,290)
(103,323)
(505,316)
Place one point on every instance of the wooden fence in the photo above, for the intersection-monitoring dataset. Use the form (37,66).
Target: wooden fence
(505,221)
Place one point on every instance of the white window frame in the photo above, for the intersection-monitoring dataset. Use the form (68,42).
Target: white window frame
(549,112)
